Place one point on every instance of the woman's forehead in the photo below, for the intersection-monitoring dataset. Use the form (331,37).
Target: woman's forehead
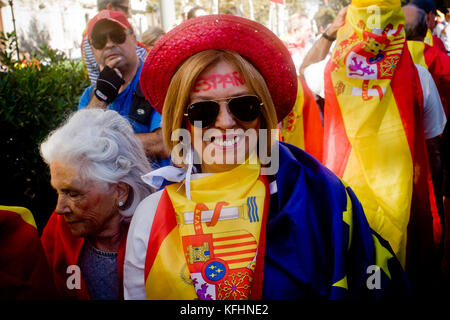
(221,66)
(222,77)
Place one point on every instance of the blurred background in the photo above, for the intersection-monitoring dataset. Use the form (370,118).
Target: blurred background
(60,23)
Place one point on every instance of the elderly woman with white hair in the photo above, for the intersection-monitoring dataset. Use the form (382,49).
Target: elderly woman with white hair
(95,164)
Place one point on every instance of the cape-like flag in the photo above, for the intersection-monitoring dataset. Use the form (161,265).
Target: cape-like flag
(208,248)
(24,272)
(438,63)
(373,131)
(62,249)
(302,127)
(434,41)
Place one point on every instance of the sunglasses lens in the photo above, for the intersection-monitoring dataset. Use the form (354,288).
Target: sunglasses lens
(246,108)
(118,36)
(98,41)
(204,111)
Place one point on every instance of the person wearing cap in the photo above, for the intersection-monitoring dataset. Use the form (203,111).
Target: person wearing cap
(87,56)
(376,132)
(242,216)
(438,64)
(430,9)
(431,58)
(113,43)
(95,163)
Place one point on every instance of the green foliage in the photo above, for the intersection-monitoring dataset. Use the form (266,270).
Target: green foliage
(35,96)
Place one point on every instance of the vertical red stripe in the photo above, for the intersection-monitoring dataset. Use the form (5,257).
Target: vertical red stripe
(424,223)
(163,223)
(312,123)
(337,147)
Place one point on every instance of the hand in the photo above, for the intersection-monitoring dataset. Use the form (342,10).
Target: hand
(108,84)
(337,23)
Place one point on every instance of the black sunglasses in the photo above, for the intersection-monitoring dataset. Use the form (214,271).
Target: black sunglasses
(244,108)
(118,36)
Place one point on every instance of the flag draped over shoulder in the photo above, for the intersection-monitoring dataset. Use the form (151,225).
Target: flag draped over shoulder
(434,41)
(210,247)
(62,249)
(24,272)
(438,63)
(373,131)
(302,127)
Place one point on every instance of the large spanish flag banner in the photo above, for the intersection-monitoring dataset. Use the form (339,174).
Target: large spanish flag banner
(302,127)
(373,131)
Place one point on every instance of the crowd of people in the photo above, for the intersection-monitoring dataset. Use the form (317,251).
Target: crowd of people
(218,161)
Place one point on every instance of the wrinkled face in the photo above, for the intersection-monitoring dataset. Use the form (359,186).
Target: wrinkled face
(227,142)
(114,54)
(88,208)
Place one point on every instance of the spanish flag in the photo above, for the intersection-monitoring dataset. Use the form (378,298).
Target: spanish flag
(373,131)
(434,41)
(302,127)
(438,63)
(210,247)
(24,272)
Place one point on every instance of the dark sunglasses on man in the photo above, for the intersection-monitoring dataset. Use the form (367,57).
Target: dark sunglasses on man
(118,36)
(246,108)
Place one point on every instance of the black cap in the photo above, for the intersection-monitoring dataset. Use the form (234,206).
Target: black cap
(425,5)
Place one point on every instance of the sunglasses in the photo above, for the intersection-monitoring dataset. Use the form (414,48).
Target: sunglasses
(244,108)
(117,36)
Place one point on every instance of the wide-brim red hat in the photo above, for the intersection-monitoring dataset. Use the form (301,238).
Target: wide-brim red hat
(250,39)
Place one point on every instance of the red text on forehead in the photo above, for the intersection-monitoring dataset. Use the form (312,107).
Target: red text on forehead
(215,81)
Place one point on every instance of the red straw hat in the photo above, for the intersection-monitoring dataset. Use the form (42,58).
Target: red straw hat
(250,39)
(114,16)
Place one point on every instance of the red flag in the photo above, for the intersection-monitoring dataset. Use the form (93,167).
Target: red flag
(278,1)
(24,272)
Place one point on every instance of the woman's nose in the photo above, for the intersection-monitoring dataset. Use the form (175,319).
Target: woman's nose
(224,118)
(61,205)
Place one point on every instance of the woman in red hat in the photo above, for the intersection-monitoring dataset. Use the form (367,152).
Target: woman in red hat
(243,216)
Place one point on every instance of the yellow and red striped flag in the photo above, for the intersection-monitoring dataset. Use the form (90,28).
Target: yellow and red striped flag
(302,127)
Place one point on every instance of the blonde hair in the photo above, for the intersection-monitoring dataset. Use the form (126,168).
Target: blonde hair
(182,82)
(151,35)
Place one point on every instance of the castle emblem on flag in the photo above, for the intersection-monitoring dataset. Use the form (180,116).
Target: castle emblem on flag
(198,254)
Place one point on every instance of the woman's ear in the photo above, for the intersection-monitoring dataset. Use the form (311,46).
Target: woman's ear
(123,191)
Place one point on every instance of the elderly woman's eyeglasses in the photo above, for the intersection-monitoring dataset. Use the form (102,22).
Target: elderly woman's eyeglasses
(246,108)
(117,36)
